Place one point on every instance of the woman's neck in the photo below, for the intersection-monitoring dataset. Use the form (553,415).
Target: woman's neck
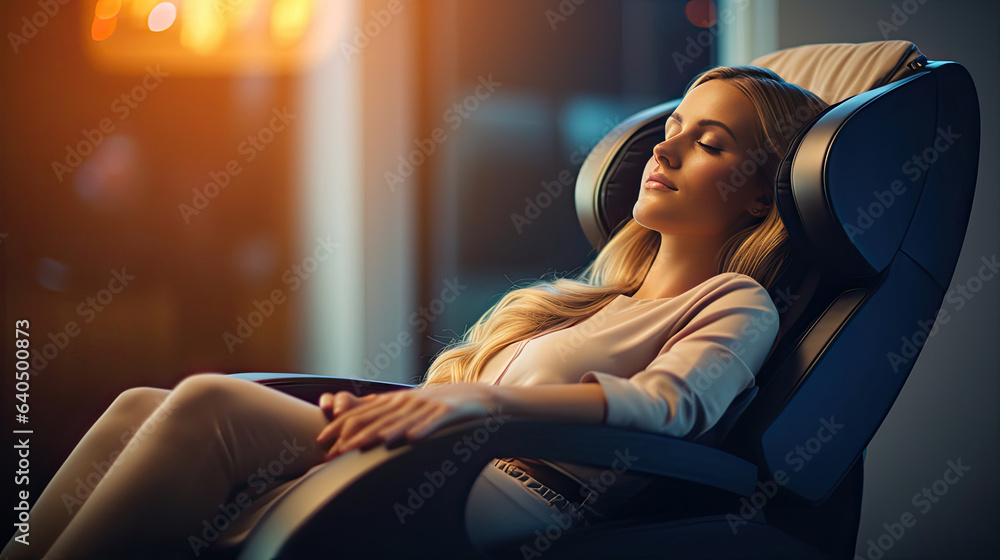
(681,263)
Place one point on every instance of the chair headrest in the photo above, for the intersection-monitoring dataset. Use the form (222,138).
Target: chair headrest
(836,71)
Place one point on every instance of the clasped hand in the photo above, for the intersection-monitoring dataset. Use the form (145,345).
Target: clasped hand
(397,416)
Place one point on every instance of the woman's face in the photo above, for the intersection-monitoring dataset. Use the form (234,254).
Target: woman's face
(701,179)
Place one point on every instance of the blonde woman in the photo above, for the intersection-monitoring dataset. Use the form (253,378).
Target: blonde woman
(660,333)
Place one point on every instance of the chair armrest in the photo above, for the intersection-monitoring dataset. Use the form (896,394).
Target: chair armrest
(309,387)
(417,492)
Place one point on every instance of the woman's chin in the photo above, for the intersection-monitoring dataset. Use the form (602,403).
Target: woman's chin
(658,221)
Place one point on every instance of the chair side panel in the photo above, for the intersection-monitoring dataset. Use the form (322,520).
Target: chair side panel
(846,392)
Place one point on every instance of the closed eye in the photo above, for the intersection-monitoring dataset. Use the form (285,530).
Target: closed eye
(711,149)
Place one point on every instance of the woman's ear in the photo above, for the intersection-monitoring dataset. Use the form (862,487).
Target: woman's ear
(762,204)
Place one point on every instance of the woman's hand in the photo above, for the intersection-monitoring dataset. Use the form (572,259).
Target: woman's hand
(407,414)
(332,404)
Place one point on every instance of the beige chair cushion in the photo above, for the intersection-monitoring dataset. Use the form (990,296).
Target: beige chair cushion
(837,71)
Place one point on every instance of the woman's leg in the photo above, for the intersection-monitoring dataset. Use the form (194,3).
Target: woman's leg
(85,467)
(224,441)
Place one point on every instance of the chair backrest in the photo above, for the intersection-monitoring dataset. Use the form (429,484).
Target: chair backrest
(875,193)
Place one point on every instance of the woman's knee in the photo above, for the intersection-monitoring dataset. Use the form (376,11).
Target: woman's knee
(206,393)
(138,402)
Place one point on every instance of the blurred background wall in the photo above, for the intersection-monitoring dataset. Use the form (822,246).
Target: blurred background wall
(342,187)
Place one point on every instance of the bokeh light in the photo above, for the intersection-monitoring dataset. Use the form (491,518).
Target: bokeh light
(162,16)
(289,20)
(107,9)
(701,13)
(109,179)
(52,274)
(101,29)
(211,37)
(202,30)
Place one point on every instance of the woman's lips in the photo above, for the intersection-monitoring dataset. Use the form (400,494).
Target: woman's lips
(659,181)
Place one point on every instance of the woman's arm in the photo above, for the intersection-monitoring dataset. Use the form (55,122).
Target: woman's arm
(411,414)
(684,391)
(577,402)
(702,368)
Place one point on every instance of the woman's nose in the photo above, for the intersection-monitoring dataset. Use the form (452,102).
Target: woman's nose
(665,155)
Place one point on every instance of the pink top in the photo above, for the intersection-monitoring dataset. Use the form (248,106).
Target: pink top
(670,366)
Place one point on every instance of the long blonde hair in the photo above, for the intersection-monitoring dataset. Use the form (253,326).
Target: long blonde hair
(621,265)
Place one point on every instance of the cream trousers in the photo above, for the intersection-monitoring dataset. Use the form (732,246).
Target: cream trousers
(152,475)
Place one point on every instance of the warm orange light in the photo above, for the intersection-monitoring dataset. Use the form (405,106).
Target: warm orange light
(238,13)
(202,28)
(289,20)
(107,9)
(209,37)
(101,29)
(138,10)
(162,16)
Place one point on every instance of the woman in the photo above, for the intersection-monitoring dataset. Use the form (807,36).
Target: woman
(660,333)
